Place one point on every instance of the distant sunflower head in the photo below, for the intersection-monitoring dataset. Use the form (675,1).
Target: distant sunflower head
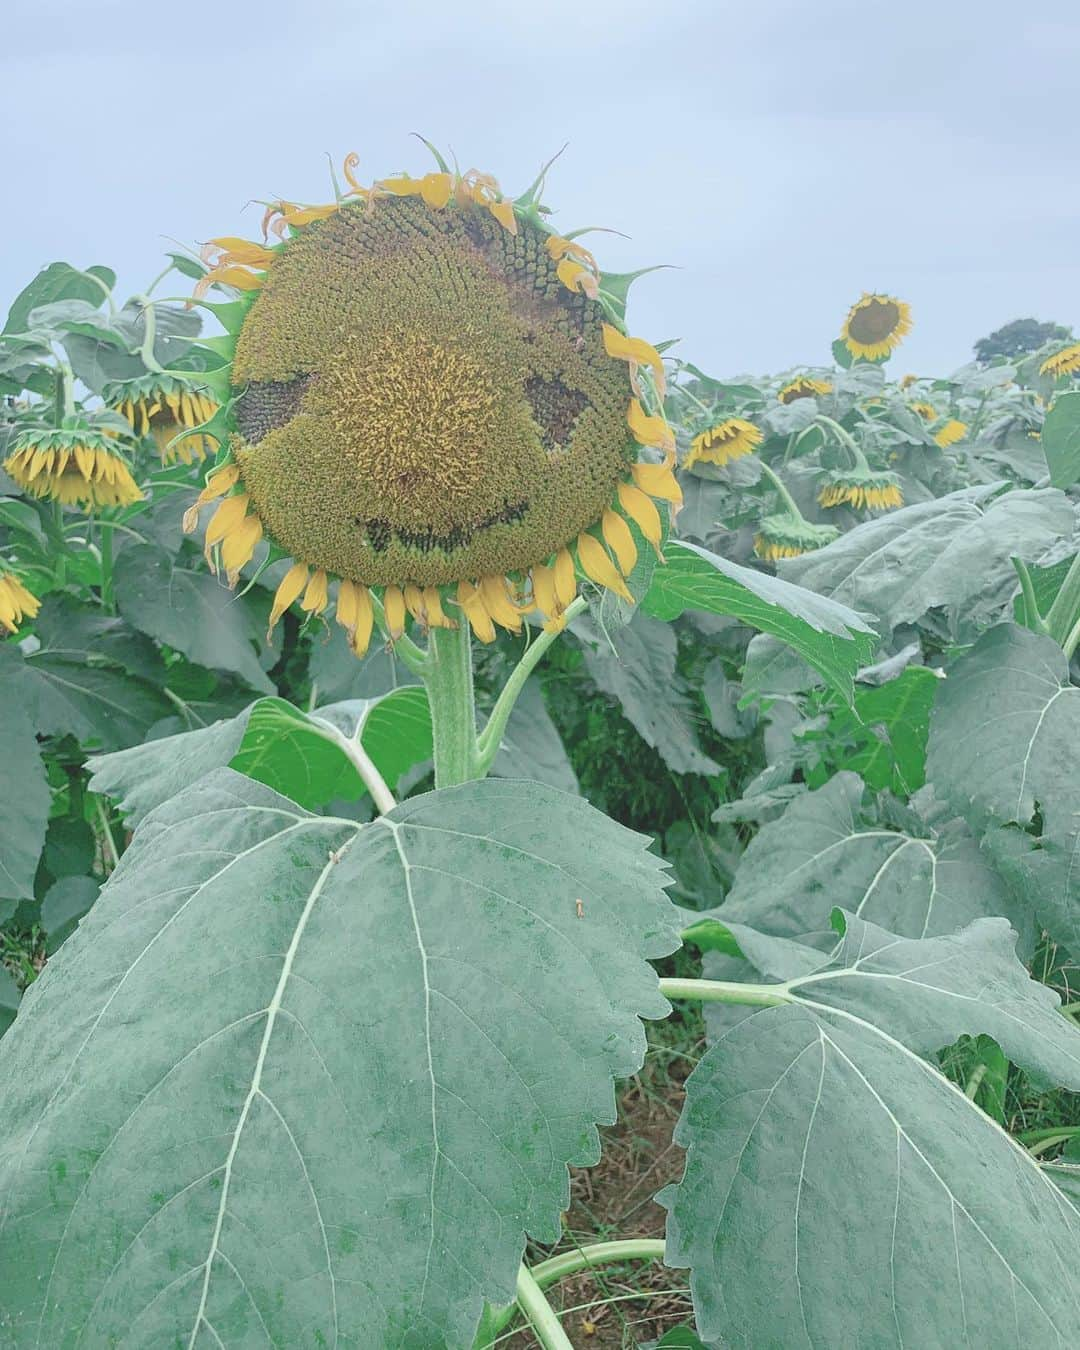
(804,387)
(429,396)
(16,601)
(865,490)
(81,466)
(875,326)
(908,381)
(787,536)
(950,432)
(727,440)
(926,411)
(1064,362)
(168,408)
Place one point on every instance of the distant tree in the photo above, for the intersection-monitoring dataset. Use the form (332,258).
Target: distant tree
(1019,337)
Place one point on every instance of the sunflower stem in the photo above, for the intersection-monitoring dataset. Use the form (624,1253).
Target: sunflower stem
(105,548)
(1061,617)
(846,439)
(542,1317)
(491,737)
(146,351)
(785,495)
(448,675)
(1032,618)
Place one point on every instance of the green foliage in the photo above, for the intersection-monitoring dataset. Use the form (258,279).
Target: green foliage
(1019,337)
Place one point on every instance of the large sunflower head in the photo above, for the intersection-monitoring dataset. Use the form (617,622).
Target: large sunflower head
(861,488)
(875,326)
(1063,362)
(804,387)
(77,466)
(169,408)
(430,394)
(16,601)
(786,535)
(727,440)
(950,432)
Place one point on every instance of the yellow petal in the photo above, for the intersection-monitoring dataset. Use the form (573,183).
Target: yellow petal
(642,512)
(240,545)
(577,278)
(226,518)
(345,611)
(565,577)
(360,636)
(401,186)
(637,351)
(292,583)
(472,602)
(394,611)
(414,603)
(504,213)
(618,538)
(433,606)
(435,188)
(596,565)
(657,480)
(543,584)
(650,430)
(219,482)
(498,604)
(316,593)
(243,251)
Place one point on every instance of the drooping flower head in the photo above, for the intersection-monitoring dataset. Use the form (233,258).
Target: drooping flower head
(430,395)
(950,432)
(720,444)
(16,601)
(926,411)
(804,387)
(78,466)
(166,406)
(862,488)
(785,535)
(875,326)
(1064,362)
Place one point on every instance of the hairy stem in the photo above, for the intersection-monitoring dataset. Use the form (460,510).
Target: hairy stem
(723,991)
(492,734)
(448,676)
(546,1326)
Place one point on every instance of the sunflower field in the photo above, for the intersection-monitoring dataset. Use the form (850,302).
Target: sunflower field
(509,838)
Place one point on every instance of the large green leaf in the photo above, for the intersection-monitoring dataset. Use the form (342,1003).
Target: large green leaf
(828,850)
(191,610)
(58,281)
(636,665)
(1003,745)
(24,806)
(882,737)
(833,638)
(1061,440)
(297,754)
(840,1191)
(297,1081)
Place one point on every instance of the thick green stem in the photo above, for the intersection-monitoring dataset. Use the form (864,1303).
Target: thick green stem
(1063,613)
(785,495)
(105,541)
(546,1326)
(721,991)
(1032,618)
(846,439)
(64,398)
(146,351)
(449,678)
(492,734)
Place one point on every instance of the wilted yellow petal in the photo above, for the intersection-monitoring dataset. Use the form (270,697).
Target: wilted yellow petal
(435,188)
(642,512)
(618,538)
(241,543)
(365,618)
(401,185)
(235,250)
(316,593)
(596,565)
(292,583)
(577,278)
(565,577)
(504,213)
(219,482)
(638,352)
(650,430)
(433,607)
(226,518)
(394,611)
(658,480)
(414,603)
(472,602)
(543,583)
(498,604)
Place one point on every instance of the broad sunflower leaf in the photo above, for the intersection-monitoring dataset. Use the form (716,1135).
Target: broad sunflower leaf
(1003,743)
(25,800)
(840,1191)
(273,742)
(636,665)
(189,609)
(833,638)
(63,905)
(828,850)
(296,1080)
(9,999)
(58,281)
(1060,440)
(99,703)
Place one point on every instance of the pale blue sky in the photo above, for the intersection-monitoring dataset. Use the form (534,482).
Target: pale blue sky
(784,156)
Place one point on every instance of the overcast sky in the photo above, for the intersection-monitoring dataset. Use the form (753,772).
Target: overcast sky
(784,157)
